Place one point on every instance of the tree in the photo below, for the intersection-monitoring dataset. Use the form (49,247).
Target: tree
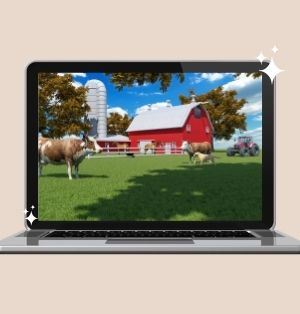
(62,107)
(117,124)
(224,111)
(254,75)
(121,80)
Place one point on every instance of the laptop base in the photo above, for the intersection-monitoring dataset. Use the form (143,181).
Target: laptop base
(265,242)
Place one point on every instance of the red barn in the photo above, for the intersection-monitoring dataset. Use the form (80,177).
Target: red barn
(168,127)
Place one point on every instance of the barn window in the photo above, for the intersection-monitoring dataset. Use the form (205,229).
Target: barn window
(197,112)
(188,128)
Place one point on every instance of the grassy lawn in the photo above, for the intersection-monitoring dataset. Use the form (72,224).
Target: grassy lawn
(153,188)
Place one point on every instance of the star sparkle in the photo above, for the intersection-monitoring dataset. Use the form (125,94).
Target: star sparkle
(31,218)
(261,58)
(272,70)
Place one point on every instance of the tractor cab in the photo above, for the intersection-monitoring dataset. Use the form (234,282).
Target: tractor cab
(243,140)
(244,145)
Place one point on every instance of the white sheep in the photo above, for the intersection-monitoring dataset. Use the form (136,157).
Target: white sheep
(202,158)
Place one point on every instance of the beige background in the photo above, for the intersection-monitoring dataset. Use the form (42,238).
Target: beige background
(137,30)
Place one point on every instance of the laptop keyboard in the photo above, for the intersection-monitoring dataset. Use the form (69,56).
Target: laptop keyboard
(149,234)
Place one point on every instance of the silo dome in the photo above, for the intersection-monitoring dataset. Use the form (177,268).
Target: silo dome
(96,99)
(95,84)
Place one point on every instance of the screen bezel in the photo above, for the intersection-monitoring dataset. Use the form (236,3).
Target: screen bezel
(268,100)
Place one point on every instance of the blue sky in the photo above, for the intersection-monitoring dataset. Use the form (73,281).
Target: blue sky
(136,99)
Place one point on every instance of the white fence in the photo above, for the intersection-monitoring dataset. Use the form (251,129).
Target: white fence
(129,151)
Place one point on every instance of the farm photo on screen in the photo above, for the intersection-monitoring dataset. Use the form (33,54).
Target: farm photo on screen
(150,147)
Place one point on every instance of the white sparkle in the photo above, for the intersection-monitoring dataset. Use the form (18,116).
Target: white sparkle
(25,211)
(31,218)
(271,70)
(275,49)
(261,58)
(32,207)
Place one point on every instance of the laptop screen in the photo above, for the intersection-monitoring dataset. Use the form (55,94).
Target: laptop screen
(150,146)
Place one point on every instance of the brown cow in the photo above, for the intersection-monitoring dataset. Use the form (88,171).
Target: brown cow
(71,152)
(192,148)
(149,147)
(122,146)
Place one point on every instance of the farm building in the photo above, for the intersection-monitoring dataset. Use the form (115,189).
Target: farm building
(96,99)
(167,128)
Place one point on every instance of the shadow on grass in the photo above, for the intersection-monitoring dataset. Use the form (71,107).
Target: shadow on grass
(207,192)
(81,176)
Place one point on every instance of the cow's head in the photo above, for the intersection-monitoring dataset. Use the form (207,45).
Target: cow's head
(185,146)
(91,145)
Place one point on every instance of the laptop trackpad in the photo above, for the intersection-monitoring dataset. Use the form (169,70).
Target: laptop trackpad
(149,241)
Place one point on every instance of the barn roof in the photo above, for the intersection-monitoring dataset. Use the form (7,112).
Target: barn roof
(163,118)
(114,138)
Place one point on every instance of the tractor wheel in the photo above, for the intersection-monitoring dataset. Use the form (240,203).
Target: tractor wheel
(243,152)
(254,150)
(230,152)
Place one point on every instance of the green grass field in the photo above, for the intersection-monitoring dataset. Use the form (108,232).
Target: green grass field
(153,188)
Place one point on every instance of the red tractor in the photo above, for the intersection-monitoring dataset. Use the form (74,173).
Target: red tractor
(244,146)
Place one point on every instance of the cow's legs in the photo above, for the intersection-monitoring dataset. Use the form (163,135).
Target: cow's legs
(76,171)
(191,155)
(69,164)
(40,169)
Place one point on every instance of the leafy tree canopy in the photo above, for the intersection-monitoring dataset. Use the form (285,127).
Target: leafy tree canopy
(254,75)
(121,80)
(62,107)
(117,124)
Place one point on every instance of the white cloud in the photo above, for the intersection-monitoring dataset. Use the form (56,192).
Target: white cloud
(135,84)
(76,84)
(255,133)
(158,105)
(73,74)
(213,76)
(245,85)
(144,94)
(118,110)
(223,144)
(250,89)
(239,82)
(142,109)
(154,106)
(196,78)
(79,74)
(252,108)
(258,118)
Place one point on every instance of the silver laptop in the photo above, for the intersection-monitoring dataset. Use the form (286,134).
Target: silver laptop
(150,157)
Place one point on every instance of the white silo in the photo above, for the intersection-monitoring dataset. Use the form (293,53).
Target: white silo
(96,99)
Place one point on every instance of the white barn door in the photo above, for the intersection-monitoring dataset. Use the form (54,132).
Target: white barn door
(168,148)
(143,144)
